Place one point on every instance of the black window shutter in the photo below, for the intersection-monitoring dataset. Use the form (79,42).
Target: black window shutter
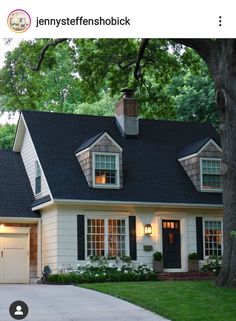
(132,238)
(199,234)
(80,237)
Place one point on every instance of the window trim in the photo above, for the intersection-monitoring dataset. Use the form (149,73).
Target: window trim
(215,219)
(106,218)
(117,185)
(36,167)
(216,190)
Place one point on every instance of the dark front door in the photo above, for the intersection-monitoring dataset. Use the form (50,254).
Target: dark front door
(171,244)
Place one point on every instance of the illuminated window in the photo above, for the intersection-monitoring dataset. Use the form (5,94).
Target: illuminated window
(106,171)
(106,237)
(116,237)
(213,238)
(211,174)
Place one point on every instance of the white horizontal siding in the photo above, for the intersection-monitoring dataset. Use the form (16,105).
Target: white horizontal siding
(59,233)
(29,157)
(49,238)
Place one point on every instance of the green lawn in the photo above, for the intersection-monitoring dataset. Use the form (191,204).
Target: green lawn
(177,300)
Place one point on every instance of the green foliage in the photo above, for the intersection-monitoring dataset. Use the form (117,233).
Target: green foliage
(213,264)
(233,233)
(157,256)
(193,256)
(53,88)
(104,273)
(7,135)
(105,106)
(81,76)
(194,98)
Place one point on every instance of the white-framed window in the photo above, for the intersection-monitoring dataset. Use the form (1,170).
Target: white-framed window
(106,170)
(211,174)
(213,238)
(37,178)
(106,236)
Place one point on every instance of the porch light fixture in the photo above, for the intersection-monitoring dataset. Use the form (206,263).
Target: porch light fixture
(147,229)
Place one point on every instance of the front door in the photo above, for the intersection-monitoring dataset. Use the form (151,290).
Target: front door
(14,263)
(171,244)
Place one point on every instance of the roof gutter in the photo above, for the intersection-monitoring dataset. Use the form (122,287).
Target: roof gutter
(127,203)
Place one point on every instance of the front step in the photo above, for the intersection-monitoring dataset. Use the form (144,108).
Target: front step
(185,276)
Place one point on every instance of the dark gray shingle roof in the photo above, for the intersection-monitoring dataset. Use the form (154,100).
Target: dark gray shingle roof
(16,194)
(151,170)
(193,148)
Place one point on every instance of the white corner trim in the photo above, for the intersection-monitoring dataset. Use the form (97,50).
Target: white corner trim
(43,205)
(97,140)
(22,117)
(20,131)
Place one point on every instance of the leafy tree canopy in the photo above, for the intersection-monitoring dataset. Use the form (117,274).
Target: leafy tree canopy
(79,75)
(7,134)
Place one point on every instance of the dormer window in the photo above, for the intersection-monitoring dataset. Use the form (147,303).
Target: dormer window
(211,174)
(37,178)
(105,170)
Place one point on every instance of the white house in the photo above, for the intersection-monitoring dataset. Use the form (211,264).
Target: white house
(77,185)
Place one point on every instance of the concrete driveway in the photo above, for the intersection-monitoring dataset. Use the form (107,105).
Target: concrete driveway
(69,303)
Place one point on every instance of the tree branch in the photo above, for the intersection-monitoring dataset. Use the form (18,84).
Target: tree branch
(51,43)
(201,46)
(137,71)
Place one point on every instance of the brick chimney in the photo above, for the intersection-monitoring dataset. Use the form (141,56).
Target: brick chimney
(127,114)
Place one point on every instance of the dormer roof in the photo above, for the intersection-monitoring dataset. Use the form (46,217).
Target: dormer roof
(196,147)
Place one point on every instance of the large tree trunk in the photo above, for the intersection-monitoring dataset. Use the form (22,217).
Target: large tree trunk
(220,56)
(222,64)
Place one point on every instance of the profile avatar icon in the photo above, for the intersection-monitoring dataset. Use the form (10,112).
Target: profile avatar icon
(18,310)
(19,21)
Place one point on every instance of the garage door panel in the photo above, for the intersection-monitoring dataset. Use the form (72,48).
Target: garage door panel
(14,261)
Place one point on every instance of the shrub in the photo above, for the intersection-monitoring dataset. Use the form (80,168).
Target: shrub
(104,273)
(157,256)
(193,256)
(212,264)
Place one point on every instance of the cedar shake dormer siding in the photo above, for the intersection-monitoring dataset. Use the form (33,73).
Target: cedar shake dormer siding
(192,163)
(104,144)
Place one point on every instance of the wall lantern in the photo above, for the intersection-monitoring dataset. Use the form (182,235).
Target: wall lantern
(147,229)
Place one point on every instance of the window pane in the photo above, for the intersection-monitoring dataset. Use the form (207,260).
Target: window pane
(95,237)
(213,238)
(211,172)
(116,237)
(105,177)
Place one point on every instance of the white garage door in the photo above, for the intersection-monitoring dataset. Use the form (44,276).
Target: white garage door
(14,261)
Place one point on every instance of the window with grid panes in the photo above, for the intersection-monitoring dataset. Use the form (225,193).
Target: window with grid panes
(105,171)
(95,237)
(213,238)
(106,237)
(211,174)
(116,237)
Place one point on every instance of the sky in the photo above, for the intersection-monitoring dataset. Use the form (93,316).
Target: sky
(6,117)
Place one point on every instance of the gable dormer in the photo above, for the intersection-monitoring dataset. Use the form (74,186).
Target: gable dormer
(202,163)
(100,158)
